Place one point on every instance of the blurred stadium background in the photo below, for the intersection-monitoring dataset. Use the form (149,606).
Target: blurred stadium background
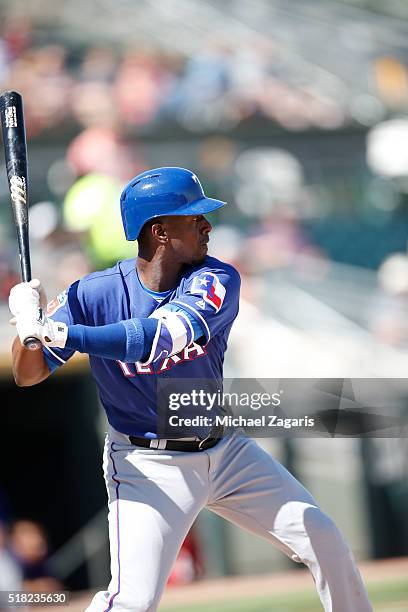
(294,112)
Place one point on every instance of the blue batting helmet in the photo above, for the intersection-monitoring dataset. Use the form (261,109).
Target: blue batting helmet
(162,191)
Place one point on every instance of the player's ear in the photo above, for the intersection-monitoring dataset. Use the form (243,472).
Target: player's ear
(159,232)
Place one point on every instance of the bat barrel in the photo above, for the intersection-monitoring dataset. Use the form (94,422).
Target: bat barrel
(15,149)
(14,137)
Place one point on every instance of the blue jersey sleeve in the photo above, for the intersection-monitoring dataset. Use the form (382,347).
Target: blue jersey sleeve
(211,296)
(66,308)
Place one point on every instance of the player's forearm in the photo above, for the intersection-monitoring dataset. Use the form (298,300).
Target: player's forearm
(29,367)
(125,341)
(133,340)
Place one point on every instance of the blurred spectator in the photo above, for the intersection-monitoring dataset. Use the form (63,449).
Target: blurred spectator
(386,472)
(137,89)
(91,208)
(278,241)
(29,545)
(388,316)
(188,564)
(100,149)
(40,75)
(93,104)
(17,35)
(10,573)
(99,64)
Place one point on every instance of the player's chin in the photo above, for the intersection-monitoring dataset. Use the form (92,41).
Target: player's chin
(200,255)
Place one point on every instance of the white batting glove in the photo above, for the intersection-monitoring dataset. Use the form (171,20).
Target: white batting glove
(27,298)
(49,332)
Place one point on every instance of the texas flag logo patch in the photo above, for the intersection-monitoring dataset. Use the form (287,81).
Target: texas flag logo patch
(211,288)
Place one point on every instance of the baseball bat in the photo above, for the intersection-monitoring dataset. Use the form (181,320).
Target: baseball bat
(15,150)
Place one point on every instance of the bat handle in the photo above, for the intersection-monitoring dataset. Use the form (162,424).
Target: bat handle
(32,344)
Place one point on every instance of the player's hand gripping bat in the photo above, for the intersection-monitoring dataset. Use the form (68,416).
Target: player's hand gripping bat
(15,149)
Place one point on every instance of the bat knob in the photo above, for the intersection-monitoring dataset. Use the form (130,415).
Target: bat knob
(32,344)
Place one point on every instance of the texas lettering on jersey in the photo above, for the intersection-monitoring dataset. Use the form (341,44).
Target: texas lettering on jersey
(193,351)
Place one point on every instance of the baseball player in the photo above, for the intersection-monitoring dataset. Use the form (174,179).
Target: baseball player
(168,313)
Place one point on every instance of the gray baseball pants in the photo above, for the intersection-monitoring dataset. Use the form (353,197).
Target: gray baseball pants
(155,496)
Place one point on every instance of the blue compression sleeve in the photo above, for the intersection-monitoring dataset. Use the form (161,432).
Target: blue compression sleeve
(127,341)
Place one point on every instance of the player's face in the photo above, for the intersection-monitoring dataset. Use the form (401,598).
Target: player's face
(189,238)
